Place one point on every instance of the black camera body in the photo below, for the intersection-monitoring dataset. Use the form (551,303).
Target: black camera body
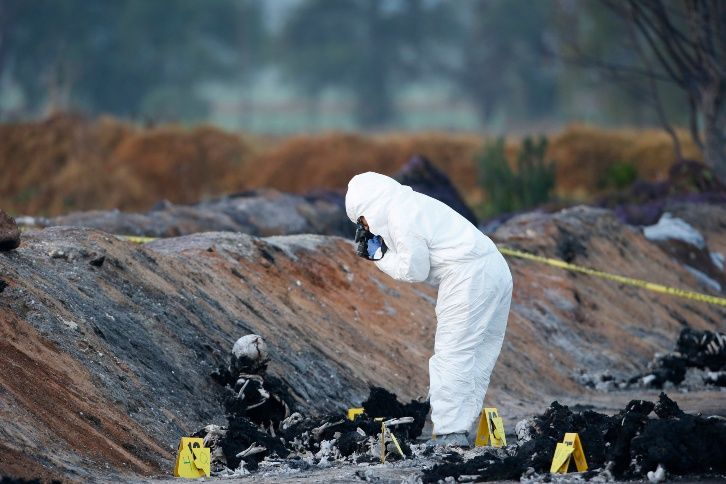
(362,236)
(368,244)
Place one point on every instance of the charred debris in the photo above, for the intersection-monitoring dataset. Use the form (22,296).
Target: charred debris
(697,362)
(265,433)
(262,424)
(628,445)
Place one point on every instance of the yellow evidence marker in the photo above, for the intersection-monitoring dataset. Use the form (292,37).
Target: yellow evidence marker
(354,412)
(569,447)
(192,459)
(491,429)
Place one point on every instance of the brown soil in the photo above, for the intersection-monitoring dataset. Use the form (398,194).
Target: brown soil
(180,304)
(67,162)
(60,414)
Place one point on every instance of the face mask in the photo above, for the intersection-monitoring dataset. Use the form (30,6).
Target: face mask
(370,246)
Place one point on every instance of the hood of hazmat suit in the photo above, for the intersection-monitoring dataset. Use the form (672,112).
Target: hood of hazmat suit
(428,240)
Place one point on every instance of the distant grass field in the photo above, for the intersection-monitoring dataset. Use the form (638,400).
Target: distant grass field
(66,163)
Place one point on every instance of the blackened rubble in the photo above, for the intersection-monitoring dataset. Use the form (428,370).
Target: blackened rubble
(249,393)
(382,403)
(265,432)
(262,423)
(626,445)
(703,350)
(490,466)
(698,360)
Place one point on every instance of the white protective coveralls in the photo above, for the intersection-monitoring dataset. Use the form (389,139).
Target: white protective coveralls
(428,240)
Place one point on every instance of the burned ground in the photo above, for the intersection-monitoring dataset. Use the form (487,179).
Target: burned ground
(263,424)
(700,350)
(697,361)
(120,340)
(122,352)
(626,445)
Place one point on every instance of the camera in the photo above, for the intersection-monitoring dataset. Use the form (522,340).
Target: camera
(371,247)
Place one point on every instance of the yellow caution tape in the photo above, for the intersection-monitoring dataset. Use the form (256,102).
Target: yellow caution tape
(630,281)
(651,286)
(137,239)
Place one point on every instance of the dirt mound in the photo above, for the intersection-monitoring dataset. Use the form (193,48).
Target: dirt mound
(588,158)
(182,165)
(257,212)
(331,160)
(120,340)
(68,162)
(585,159)
(587,323)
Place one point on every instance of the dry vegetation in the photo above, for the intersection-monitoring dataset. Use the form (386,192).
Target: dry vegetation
(67,163)
(306,162)
(585,154)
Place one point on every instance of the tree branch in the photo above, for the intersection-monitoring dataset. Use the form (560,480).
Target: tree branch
(702,28)
(657,102)
(693,122)
(581,60)
(672,36)
(646,27)
(688,52)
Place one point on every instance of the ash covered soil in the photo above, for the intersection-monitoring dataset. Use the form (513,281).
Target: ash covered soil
(108,347)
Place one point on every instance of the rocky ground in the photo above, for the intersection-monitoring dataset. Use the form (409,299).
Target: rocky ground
(108,346)
(257,212)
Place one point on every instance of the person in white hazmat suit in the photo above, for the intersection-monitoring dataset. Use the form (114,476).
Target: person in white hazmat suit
(421,239)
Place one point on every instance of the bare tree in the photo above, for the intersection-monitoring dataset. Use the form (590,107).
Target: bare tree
(684,41)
